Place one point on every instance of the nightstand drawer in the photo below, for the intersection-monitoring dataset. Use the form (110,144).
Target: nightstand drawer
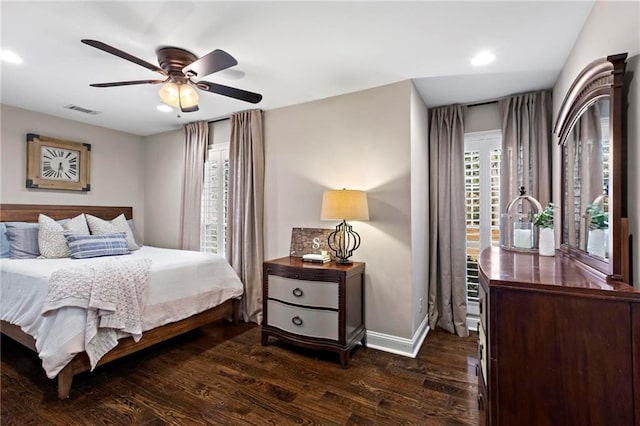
(301,292)
(303,321)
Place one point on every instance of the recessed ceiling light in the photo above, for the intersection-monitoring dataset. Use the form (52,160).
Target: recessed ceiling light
(164,108)
(483,58)
(8,56)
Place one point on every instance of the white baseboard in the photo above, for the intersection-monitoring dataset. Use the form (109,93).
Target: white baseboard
(399,345)
(472,322)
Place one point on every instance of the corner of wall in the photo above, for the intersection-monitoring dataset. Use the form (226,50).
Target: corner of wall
(399,345)
(419,208)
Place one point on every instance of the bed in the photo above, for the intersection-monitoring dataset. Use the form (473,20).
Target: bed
(181,297)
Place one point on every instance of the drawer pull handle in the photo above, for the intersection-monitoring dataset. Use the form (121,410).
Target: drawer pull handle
(481,350)
(480,403)
(297,292)
(480,306)
(296,320)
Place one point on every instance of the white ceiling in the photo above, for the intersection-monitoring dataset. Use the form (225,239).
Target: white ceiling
(290,52)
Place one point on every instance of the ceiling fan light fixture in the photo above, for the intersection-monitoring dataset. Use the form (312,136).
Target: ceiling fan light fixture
(170,94)
(188,96)
(178,67)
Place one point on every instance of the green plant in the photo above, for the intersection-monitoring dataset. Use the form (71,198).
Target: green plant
(545,218)
(597,218)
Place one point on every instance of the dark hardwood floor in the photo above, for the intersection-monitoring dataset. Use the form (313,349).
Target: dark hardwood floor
(221,374)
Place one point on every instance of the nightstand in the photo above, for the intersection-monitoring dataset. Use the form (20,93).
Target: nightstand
(314,305)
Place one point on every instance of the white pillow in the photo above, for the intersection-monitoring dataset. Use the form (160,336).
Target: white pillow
(119,224)
(51,240)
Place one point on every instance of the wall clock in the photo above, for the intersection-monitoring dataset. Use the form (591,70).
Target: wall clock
(57,164)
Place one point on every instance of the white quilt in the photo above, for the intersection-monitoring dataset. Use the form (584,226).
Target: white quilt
(181,284)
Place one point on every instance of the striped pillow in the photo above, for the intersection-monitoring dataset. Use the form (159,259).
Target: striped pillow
(85,246)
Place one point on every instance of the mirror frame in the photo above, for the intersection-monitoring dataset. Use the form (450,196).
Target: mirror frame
(603,77)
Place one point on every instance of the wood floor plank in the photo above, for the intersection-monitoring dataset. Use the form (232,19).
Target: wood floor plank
(220,374)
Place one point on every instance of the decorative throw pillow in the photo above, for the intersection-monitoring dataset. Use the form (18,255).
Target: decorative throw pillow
(119,224)
(5,247)
(133,231)
(85,246)
(23,240)
(51,240)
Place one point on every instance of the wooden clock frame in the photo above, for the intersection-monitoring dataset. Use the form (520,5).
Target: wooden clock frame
(35,143)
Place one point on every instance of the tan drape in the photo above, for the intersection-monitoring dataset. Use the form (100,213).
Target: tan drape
(526,143)
(447,263)
(196,139)
(246,208)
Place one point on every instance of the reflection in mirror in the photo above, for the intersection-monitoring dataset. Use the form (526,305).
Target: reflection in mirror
(597,227)
(590,127)
(586,171)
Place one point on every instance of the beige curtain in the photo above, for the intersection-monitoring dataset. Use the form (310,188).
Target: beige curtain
(526,142)
(246,208)
(196,139)
(447,263)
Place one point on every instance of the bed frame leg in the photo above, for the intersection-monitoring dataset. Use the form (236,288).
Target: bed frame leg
(237,303)
(65,379)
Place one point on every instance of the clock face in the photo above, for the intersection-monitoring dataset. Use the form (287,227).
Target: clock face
(59,164)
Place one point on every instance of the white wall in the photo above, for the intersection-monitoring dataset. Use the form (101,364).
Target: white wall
(164,166)
(419,209)
(117,163)
(482,118)
(164,171)
(360,141)
(612,27)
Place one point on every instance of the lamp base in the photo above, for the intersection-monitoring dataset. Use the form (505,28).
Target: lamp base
(343,241)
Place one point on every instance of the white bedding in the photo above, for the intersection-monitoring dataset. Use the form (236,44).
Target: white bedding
(182,283)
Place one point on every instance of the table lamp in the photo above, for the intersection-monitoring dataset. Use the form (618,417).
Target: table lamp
(344,204)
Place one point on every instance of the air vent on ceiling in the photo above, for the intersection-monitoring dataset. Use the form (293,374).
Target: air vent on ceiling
(80,109)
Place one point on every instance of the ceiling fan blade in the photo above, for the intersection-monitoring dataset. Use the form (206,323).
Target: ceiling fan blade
(127,83)
(231,92)
(124,55)
(215,61)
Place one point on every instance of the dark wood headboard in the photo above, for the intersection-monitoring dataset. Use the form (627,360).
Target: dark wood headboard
(30,212)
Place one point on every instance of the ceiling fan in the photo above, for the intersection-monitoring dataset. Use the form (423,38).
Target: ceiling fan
(180,69)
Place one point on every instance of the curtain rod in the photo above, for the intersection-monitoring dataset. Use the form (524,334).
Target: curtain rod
(218,119)
(229,117)
(482,103)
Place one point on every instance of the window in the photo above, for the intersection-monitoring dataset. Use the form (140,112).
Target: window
(215,192)
(482,202)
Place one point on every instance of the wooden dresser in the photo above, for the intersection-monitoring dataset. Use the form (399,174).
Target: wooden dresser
(314,305)
(558,344)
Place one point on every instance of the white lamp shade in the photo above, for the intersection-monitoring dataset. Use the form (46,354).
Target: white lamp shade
(344,204)
(169,94)
(183,95)
(188,96)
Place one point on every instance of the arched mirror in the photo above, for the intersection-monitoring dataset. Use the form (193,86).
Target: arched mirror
(590,126)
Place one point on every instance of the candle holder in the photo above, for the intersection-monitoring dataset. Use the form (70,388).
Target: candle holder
(517,230)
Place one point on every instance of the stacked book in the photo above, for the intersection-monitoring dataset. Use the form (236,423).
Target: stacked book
(317,258)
